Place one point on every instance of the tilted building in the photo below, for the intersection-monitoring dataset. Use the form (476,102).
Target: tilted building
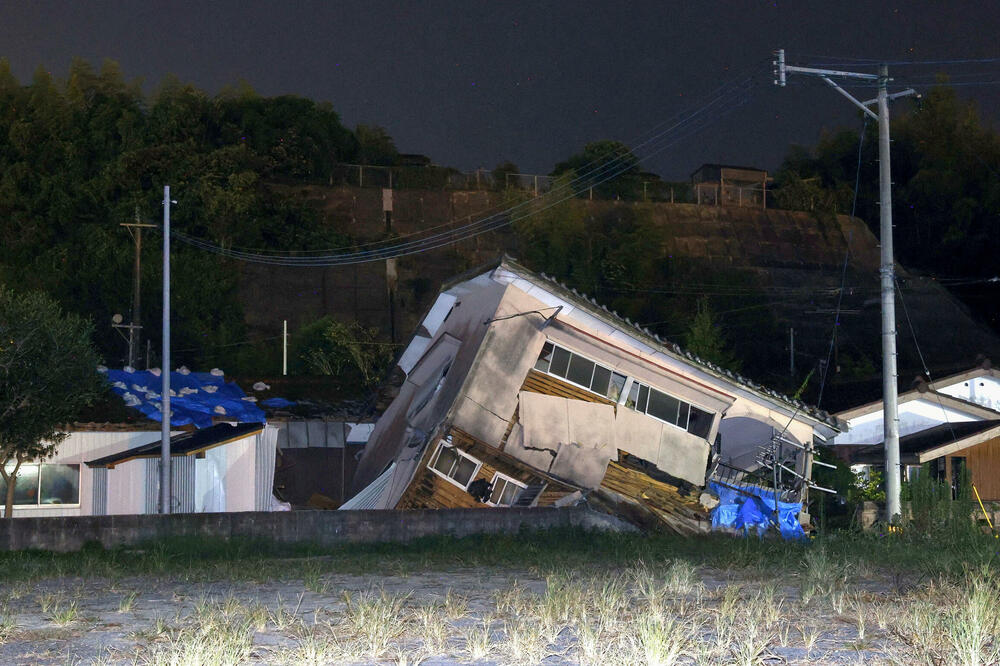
(519,391)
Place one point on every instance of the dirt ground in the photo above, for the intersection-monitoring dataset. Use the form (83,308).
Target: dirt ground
(673,612)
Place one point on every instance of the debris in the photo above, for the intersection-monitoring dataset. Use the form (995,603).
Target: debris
(318,501)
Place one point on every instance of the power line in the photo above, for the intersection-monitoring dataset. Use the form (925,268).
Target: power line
(729,97)
(489,223)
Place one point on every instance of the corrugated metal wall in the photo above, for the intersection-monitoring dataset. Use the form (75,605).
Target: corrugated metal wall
(182,484)
(309,433)
(99,489)
(264,468)
(152,484)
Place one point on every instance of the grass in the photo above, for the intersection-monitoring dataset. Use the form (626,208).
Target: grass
(552,551)
(592,598)
(217,633)
(7,625)
(373,619)
(63,614)
(127,602)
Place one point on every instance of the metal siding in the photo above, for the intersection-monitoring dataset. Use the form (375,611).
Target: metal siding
(182,484)
(298,435)
(99,491)
(316,433)
(152,485)
(265,445)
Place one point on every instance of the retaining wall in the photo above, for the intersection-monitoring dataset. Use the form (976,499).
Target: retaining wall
(320,527)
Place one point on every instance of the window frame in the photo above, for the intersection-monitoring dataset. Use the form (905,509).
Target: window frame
(444,443)
(507,480)
(593,371)
(690,406)
(626,389)
(38,487)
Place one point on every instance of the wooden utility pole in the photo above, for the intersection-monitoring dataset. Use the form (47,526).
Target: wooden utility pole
(134,326)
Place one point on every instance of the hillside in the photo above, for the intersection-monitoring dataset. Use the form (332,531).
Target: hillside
(762,272)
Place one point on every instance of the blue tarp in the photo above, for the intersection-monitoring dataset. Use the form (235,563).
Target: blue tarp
(753,508)
(195,397)
(277,403)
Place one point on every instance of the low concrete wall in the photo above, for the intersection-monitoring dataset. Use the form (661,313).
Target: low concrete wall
(329,528)
(869,513)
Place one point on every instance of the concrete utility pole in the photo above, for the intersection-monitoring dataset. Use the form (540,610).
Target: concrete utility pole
(890,408)
(165,365)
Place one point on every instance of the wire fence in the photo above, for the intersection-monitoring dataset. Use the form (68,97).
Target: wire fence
(432,177)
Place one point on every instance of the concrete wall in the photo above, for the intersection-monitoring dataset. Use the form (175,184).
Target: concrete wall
(329,528)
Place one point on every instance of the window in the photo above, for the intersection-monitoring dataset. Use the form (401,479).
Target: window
(427,392)
(555,360)
(505,490)
(454,464)
(45,484)
(667,408)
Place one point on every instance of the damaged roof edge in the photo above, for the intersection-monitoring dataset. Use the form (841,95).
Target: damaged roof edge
(670,349)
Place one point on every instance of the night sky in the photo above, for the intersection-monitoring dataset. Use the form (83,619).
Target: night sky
(471,84)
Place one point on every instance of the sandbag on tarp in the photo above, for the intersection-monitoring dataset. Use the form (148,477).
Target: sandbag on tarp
(195,397)
(753,508)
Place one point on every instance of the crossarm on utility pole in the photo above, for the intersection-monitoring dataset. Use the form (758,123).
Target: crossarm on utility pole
(902,93)
(850,97)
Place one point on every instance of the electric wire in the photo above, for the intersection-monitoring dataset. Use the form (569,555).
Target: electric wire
(732,96)
(923,363)
(843,274)
(487,224)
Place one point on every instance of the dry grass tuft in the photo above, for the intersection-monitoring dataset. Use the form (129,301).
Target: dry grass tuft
(374,620)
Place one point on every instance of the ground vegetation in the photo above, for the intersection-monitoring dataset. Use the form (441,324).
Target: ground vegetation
(546,597)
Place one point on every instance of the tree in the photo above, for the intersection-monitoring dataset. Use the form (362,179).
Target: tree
(607,166)
(375,146)
(331,347)
(501,172)
(704,338)
(48,371)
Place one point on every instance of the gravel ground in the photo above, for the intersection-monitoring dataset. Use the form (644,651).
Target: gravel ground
(671,613)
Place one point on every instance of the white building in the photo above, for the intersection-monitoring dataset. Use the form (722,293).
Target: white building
(106,470)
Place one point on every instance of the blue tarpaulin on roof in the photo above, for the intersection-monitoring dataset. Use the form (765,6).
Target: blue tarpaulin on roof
(753,508)
(195,397)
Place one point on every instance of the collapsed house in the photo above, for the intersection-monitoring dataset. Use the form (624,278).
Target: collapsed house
(521,392)
(951,425)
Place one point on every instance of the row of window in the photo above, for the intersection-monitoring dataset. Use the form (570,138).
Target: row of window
(674,411)
(581,371)
(44,484)
(460,468)
(603,381)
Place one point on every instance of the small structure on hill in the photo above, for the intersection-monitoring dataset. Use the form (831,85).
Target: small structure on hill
(722,185)
(521,392)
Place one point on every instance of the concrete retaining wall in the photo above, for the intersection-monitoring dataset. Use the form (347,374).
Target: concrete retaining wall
(328,528)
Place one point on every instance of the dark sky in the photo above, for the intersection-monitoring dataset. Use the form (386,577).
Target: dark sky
(473,83)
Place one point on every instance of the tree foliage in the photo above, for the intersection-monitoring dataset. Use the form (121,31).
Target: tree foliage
(80,156)
(48,371)
(619,255)
(375,146)
(705,338)
(344,349)
(609,167)
(946,190)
